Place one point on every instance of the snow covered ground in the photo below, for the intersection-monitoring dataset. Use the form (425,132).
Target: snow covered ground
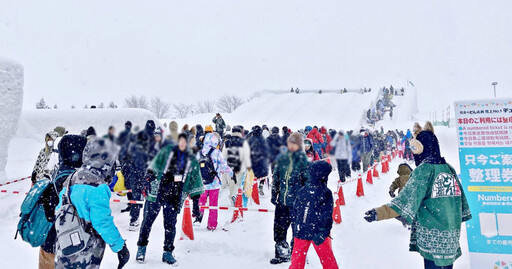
(248,244)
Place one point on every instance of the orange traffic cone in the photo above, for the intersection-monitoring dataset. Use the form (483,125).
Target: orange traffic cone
(255,193)
(336,213)
(186,226)
(383,164)
(375,171)
(387,163)
(238,204)
(341,197)
(360,190)
(369,177)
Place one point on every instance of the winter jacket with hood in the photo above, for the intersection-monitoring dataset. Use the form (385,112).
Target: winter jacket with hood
(244,152)
(275,143)
(220,125)
(311,153)
(90,195)
(199,134)
(290,174)
(41,168)
(220,164)
(342,147)
(326,146)
(404,171)
(314,204)
(173,127)
(259,153)
(433,201)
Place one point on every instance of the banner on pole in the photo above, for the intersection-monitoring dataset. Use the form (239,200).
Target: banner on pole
(484,130)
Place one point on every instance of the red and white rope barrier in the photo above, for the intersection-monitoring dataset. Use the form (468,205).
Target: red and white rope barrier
(14,181)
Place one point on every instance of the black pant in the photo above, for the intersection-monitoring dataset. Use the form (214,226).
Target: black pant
(195,206)
(170,214)
(282,221)
(431,265)
(356,166)
(343,169)
(135,194)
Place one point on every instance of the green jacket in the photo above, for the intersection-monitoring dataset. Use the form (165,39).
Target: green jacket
(220,125)
(290,175)
(434,202)
(193,183)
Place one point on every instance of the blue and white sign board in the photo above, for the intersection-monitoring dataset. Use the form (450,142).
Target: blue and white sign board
(484,130)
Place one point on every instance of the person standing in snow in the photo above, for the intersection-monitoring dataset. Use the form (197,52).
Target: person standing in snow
(259,156)
(406,141)
(289,176)
(238,156)
(310,152)
(124,136)
(41,167)
(173,128)
(274,142)
(343,154)
(312,218)
(366,148)
(90,195)
(172,175)
(211,194)
(284,137)
(111,134)
(70,148)
(317,139)
(433,202)
(220,125)
(326,146)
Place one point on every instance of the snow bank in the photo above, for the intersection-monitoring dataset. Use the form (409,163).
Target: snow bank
(37,122)
(11,95)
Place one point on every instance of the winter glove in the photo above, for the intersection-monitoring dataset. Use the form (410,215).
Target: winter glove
(371,215)
(123,256)
(318,239)
(33,178)
(392,194)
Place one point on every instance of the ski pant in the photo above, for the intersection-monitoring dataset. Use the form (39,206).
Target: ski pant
(431,265)
(408,155)
(136,194)
(212,196)
(234,185)
(324,252)
(170,214)
(356,166)
(195,205)
(282,221)
(46,260)
(343,169)
(367,158)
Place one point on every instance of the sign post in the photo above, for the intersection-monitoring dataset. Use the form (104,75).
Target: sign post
(484,130)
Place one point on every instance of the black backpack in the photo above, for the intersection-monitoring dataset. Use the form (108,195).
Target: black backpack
(233,158)
(208,172)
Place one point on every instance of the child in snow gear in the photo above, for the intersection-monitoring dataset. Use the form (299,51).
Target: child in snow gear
(172,176)
(41,168)
(220,166)
(433,201)
(312,218)
(310,152)
(343,154)
(289,176)
(89,197)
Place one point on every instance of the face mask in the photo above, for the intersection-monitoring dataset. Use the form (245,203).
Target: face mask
(50,143)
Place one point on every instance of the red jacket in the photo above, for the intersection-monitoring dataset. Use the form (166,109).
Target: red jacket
(315,136)
(328,139)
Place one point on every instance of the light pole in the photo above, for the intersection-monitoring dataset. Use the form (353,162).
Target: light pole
(494,84)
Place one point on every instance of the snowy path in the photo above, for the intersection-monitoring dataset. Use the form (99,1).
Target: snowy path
(249,244)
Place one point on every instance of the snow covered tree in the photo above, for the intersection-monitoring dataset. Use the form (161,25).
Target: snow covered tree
(159,107)
(73,107)
(229,103)
(55,106)
(42,104)
(182,110)
(102,105)
(112,105)
(136,102)
(86,106)
(207,106)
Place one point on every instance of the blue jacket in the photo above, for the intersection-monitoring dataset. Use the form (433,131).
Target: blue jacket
(313,208)
(366,144)
(93,205)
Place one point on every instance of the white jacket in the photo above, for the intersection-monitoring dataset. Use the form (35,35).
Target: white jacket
(244,152)
(343,150)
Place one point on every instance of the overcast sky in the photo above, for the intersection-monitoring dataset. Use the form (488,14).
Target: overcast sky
(78,52)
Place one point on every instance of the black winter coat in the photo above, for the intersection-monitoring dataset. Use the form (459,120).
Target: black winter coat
(259,153)
(274,142)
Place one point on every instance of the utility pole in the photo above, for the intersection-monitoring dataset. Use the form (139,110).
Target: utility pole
(494,84)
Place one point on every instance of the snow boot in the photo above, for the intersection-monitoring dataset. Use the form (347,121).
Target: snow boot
(141,254)
(133,226)
(199,219)
(282,253)
(169,258)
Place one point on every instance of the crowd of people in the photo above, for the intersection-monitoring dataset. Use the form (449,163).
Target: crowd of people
(199,161)
(383,105)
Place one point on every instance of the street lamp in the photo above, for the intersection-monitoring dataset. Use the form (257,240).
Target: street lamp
(494,84)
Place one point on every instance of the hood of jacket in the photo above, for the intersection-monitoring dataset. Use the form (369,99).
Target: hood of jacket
(99,159)
(257,131)
(71,148)
(323,130)
(173,126)
(210,141)
(319,172)
(275,130)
